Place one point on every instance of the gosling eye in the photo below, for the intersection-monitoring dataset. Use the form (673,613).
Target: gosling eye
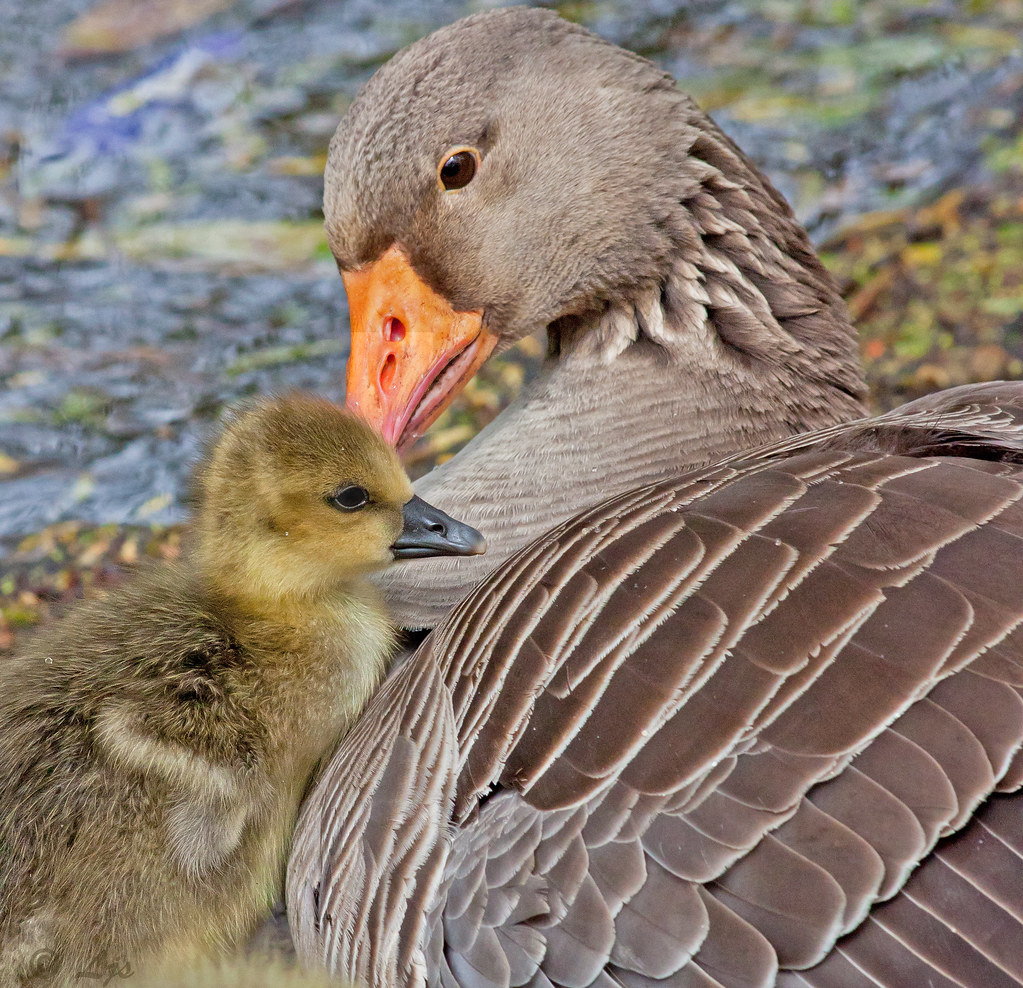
(349,498)
(457,169)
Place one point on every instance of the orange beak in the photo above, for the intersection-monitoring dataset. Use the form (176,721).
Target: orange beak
(411,352)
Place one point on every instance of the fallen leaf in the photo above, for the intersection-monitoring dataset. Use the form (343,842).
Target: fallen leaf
(121,25)
(237,245)
(864,300)
(155,504)
(874,349)
(931,377)
(295,165)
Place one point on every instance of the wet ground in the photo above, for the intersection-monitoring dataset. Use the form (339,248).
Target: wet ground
(160,245)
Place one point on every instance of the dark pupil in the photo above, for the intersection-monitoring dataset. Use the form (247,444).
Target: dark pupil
(458,170)
(351,498)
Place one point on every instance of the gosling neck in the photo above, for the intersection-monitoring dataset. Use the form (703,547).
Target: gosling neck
(253,593)
(602,418)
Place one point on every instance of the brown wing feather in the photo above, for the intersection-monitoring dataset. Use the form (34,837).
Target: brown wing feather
(704,731)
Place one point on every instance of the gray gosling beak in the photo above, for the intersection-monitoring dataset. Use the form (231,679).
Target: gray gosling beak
(428,531)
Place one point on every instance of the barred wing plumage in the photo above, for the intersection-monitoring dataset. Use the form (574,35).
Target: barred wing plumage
(749,727)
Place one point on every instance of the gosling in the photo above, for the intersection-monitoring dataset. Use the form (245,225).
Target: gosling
(155,745)
(237,972)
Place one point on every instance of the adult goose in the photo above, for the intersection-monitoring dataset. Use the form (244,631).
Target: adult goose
(514,173)
(743,725)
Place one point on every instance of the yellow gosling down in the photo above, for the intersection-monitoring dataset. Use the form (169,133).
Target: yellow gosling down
(155,745)
(236,972)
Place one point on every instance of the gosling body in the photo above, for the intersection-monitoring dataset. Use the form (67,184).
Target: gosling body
(156,744)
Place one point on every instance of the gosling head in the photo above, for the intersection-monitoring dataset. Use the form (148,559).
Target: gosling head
(298,496)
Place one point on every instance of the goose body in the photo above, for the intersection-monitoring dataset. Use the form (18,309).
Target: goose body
(747,727)
(154,745)
(699,721)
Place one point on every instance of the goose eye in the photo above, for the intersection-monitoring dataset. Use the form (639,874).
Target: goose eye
(457,170)
(350,498)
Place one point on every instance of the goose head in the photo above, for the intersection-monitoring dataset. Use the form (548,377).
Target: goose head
(514,173)
(298,496)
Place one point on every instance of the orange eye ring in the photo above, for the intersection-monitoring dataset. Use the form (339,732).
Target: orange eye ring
(457,168)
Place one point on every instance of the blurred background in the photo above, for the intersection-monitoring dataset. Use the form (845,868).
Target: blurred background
(161,250)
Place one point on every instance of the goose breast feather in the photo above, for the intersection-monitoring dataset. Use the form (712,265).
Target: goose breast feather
(747,727)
